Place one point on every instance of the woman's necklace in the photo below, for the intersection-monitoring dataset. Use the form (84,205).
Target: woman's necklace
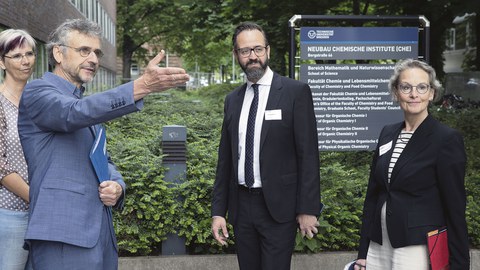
(17,98)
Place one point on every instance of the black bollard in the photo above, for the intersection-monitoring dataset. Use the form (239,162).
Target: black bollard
(175,161)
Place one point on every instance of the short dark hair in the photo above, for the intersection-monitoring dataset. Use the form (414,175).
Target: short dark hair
(247,26)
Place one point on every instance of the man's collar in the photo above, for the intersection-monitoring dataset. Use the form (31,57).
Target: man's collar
(64,84)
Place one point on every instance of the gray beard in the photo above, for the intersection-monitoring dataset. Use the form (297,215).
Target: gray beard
(254,74)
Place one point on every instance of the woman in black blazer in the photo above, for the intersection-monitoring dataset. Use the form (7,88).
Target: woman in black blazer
(416,181)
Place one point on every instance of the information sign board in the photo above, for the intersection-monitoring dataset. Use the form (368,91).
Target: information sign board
(366,43)
(352,101)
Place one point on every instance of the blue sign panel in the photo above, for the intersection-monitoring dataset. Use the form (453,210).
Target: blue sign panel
(365,43)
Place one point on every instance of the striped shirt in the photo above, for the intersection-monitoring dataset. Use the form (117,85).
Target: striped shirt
(402,141)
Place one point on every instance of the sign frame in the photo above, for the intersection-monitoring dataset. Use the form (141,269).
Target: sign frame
(326,44)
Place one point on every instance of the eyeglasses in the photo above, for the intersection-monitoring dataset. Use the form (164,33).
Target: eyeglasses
(19,56)
(258,50)
(407,88)
(85,51)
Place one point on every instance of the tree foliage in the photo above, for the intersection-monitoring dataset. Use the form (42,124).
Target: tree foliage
(200,30)
(440,13)
(140,22)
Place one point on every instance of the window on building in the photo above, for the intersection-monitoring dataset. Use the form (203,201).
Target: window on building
(450,42)
(134,71)
(463,35)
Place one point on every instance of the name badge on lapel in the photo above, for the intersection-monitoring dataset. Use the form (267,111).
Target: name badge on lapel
(385,148)
(273,114)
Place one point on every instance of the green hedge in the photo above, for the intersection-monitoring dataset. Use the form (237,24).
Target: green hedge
(154,208)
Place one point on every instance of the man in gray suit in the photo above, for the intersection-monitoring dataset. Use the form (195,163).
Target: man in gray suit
(70,224)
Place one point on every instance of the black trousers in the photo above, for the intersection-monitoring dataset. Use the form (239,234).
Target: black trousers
(262,243)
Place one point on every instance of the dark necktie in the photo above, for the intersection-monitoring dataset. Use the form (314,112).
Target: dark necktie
(249,139)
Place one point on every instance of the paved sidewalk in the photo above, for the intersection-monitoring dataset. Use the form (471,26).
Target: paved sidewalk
(318,261)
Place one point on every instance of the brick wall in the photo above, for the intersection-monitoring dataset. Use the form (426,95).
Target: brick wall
(40,17)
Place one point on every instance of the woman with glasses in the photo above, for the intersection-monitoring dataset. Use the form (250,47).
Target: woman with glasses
(17,59)
(416,182)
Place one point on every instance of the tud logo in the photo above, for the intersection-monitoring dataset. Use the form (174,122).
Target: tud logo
(320,33)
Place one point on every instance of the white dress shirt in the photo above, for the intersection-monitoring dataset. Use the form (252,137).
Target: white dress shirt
(263,90)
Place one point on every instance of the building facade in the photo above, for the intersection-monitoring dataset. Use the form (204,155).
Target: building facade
(461,42)
(40,17)
(461,46)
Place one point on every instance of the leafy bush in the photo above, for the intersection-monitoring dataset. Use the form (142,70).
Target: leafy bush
(155,208)
(343,192)
(467,122)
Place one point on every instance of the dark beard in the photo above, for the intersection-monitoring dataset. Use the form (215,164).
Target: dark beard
(255,73)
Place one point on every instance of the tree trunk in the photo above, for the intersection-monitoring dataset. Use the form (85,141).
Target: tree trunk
(477,32)
(356,7)
(127,52)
